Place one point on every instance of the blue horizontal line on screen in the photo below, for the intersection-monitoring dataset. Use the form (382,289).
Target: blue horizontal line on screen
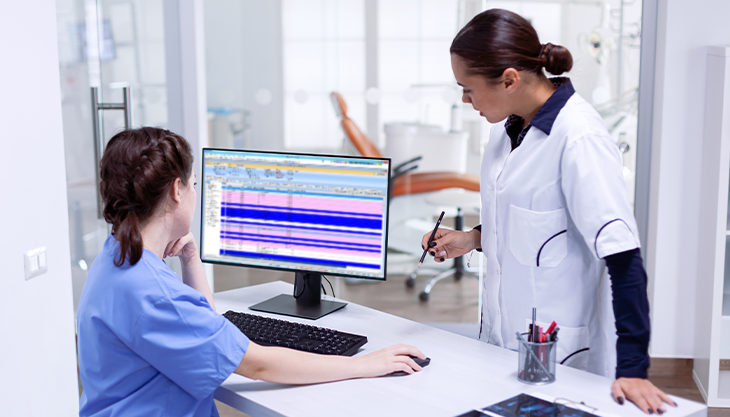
(376,216)
(259,229)
(313,219)
(286,239)
(305,193)
(309,261)
(304,245)
(285,226)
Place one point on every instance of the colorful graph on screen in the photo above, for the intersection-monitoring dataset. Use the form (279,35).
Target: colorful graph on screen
(299,212)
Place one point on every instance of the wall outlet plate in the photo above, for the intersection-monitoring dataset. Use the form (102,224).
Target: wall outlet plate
(35,262)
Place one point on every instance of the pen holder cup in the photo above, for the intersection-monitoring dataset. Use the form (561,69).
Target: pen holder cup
(536,364)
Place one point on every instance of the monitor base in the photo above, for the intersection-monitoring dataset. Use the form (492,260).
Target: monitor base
(308,304)
(287,305)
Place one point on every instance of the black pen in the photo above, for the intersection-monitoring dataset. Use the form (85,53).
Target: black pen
(431,239)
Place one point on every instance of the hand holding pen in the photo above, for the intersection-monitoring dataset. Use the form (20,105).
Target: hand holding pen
(448,244)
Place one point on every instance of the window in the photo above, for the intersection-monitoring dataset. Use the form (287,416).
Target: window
(414,72)
(324,51)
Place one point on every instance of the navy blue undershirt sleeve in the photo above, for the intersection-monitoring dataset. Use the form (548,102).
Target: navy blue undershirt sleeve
(478,227)
(631,309)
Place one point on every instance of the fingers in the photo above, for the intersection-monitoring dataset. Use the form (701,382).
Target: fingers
(654,403)
(642,404)
(408,361)
(168,248)
(633,394)
(665,398)
(452,244)
(439,234)
(175,250)
(424,240)
(403,349)
(404,368)
(642,393)
(617,392)
(655,400)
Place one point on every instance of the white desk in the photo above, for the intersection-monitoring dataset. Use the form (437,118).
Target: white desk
(464,373)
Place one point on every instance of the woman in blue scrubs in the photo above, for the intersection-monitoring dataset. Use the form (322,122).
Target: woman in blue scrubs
(151,344)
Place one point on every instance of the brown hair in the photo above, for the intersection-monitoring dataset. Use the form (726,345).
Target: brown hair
(497,39)
(137,170)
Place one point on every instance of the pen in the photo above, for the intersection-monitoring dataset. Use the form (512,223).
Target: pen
(555,334)
(551,328)
(431,239)
(534,323)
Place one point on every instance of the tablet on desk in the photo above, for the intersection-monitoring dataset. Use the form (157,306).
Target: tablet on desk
(524,405)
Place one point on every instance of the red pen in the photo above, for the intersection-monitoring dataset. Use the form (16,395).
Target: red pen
(551,328)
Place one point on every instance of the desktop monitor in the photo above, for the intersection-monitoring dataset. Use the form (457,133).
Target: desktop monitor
(310,214)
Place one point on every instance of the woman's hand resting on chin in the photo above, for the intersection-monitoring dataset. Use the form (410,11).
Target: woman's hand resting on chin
(185,248)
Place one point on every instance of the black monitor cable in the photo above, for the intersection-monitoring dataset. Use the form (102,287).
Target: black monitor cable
(332,288)
(304,287)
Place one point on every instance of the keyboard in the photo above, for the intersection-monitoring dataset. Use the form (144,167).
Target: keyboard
(273,332)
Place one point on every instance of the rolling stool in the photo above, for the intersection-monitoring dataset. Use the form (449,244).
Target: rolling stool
(458,270)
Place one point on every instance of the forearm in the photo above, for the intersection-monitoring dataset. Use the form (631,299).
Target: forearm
(631,310)
(193,274)
(288,366)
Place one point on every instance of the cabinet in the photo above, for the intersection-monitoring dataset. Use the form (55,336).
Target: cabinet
(712,326)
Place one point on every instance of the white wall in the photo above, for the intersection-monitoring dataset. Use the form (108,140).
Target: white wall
(685,29)
(37,353)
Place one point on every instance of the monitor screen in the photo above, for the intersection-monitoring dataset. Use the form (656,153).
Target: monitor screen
(323,214)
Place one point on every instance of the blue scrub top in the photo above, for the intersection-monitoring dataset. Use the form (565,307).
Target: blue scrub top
(149,345)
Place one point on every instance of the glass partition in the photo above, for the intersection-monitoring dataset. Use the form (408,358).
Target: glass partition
(389,60)
(110,45)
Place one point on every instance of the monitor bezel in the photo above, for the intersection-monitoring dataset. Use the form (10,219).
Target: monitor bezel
(294,270)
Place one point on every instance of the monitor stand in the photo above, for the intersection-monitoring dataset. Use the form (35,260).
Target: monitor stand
(307,302)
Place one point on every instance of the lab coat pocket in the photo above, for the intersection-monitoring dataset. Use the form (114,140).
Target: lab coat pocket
(538,238)
(572,348)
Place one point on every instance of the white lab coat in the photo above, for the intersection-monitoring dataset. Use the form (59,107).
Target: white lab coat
(568,181)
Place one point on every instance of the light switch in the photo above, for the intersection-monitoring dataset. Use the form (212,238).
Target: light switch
(35,262)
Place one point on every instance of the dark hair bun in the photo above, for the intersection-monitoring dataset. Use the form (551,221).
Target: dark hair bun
(557,59)
(497,39)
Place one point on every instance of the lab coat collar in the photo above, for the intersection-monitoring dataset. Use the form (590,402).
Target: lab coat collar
(545,117)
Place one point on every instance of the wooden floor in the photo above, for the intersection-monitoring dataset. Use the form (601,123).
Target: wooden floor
(451,301)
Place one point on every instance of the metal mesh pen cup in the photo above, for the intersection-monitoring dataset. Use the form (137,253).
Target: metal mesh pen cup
(536,364)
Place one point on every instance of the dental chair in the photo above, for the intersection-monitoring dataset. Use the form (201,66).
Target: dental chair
(421,192)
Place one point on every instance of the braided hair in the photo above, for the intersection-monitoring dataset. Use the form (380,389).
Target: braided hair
(138,170)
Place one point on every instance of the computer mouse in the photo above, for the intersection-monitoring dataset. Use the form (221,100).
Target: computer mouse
(421,362)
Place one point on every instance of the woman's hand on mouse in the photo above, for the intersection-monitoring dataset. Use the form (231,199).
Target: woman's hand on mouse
(388,360)
(185,248)
(449,244)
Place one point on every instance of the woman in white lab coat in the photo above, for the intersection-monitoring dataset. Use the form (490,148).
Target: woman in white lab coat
(554,210)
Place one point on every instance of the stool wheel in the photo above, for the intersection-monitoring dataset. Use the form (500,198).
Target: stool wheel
(424,296)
